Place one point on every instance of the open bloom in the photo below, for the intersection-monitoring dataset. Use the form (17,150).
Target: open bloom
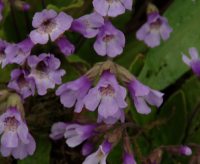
(143,95)
(58,130)
(65,46)
(49,24)
(112,8)
(194,62)
(3,58)
(108,96)
(100,155)
(110,41)
(154,29)
(45,71)
(15,138)
(18,53)
(21,83)
(73,93)
(88,25)
(75,134)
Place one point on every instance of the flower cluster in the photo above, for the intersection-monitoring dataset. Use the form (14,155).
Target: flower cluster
(103,88)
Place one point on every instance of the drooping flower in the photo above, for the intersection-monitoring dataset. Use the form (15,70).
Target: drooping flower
(75,134)
(58,130)
(110,41)
(128,159)
(112,8)
(65,46)
(154,29)
(49,24)
(88,25)
(194,62)
(3,58)
(73,93)
(21,83)
(180,150)
(18,53)
(100,155)
(45,71)
(143,95)
(15,137)
(108,96)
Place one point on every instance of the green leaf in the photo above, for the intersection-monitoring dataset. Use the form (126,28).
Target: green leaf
(192,89)
(76,59)
(5,73)
(53,7)
(116,154)
(66,5)
(175,115)
(42,153)
(137,65)
(131,50)
(163,65)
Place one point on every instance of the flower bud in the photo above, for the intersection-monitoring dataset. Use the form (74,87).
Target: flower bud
(21,5)
(14,100)
(151,8)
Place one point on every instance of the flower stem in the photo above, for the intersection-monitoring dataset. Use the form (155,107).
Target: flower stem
(14,21)
(43,4)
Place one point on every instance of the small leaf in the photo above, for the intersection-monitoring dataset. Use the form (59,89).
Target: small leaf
(175,115)
(137,65)
(76,59)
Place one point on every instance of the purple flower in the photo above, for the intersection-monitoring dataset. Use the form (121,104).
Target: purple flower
(194,62)
(58,130)
(88,25)
(185,150)
(128,159)
(65,46)
(45,71)
(75,134)
(49,24)
(21,83)
(15,138)
(18,53)
(100,155)
(112,8)
(87,148)
(3,58)
(72,93)
(112,118)
(1,9)
(143,95)
(110,41)
(154,29)
(108,96)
